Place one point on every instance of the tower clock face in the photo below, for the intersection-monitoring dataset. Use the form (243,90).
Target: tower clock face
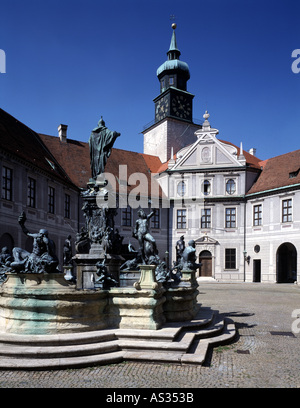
(162,108)
(181,107)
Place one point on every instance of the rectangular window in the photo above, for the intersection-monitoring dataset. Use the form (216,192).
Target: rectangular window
(126,217)
(181,219)
(51,200)
(155,220)
(67,206)
(230,258)
(31,192)
(205,218)
(287,210)
(230,218)
(7,183)
(257,215)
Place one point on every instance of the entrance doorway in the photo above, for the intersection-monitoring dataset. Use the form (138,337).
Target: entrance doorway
(286,263)
(205,258)
(256,270)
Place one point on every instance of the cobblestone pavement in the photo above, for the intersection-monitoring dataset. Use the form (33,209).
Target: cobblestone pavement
(257,358)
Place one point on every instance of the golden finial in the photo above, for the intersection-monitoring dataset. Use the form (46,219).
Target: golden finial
(172,17)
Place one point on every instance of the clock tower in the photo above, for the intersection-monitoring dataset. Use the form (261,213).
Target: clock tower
(173,125)
(173,74)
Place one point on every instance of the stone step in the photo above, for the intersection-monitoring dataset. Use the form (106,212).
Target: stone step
(224,333)
(164,334)
(154,357)
(204,318)
(59,351)
(212,330)
(183,345)
(162,346)
(58,339)
(59,363)
(199,353)
(226,336)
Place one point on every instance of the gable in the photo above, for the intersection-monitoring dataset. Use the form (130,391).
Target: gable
(208,152)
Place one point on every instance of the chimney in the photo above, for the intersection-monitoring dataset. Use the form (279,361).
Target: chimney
(62,133)
(252,151)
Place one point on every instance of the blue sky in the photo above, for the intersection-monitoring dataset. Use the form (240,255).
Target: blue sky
(73,61)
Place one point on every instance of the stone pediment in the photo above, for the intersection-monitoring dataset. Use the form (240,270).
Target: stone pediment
(207,152)
(205,239)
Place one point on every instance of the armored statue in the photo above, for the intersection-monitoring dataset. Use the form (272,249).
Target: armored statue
(100,142)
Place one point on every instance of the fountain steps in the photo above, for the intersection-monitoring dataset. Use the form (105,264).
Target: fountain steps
(181,343)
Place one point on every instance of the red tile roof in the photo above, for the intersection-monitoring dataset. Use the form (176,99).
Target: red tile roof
(74,156)
(22,142)
(251,161)
(280,171)
(70,162)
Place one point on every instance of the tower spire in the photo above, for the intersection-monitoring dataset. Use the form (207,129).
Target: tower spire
(173,52)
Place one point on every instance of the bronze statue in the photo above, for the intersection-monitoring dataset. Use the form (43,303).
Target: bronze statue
(5,257)
(68,252)
(43,257)
(146,242)
(188,259)
(105,280)
(101,142)
(180,245)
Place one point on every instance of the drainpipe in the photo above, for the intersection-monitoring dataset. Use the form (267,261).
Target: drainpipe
(244,252)
(168,237)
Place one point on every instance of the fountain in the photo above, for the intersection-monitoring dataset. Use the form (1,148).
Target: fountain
(50,319)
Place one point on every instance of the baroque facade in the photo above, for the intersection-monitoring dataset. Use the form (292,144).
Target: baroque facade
(241,212)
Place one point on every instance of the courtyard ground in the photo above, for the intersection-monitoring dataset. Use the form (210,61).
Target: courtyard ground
(265,353)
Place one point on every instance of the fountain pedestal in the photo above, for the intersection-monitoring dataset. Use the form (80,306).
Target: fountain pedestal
(140,307)
(87,270)
(181,300)
(41,303)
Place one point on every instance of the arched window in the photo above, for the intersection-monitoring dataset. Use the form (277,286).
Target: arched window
(181,188)
(230,186)
(206,187)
